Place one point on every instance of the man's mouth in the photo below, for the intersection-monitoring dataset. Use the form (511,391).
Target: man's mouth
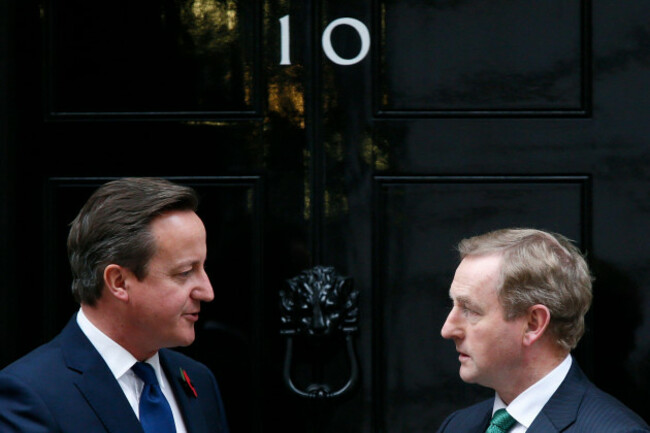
(192,316)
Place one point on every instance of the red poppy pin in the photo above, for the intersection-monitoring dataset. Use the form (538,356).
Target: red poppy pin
(188,383)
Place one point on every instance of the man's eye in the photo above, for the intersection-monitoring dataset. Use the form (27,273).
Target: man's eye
(185,274)
(468,312)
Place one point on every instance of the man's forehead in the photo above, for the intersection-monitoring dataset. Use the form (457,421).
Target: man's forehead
(479,267)
(476,273)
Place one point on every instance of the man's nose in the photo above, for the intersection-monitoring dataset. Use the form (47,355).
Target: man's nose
(204,291)
(450,328)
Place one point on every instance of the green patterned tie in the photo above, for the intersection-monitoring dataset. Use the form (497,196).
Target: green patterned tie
(501,422)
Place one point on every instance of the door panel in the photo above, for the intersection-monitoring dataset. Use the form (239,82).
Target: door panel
(502,57)
(463,116)
(157,58)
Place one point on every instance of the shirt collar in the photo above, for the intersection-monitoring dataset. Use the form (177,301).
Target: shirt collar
(530,403)
(118,359)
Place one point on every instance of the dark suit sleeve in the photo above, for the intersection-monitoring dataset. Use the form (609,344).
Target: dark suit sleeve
(22,410)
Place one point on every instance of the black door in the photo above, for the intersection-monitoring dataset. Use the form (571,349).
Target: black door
(364,136)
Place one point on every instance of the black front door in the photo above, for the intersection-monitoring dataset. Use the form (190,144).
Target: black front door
(364,136)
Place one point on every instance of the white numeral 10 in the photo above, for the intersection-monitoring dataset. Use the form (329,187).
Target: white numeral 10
(362,30)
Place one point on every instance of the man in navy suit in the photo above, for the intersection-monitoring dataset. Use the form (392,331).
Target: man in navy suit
(137,251)
(519,301)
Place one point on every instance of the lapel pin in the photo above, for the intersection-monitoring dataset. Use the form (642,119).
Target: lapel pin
(188,383)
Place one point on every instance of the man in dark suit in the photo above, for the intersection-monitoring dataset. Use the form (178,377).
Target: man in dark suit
(137,251)
(519,301)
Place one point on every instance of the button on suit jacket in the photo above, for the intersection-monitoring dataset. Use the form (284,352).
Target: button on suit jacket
(65,386)
(576,407)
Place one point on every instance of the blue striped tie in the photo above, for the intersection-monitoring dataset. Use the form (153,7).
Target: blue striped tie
(155,413)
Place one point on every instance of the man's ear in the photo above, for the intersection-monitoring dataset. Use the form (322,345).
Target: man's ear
(538,318)
(115,282)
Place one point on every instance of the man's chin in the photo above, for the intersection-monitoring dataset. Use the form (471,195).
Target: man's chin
(467,376)
(184,340)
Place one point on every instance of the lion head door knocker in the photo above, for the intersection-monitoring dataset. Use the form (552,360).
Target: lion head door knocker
(320,309)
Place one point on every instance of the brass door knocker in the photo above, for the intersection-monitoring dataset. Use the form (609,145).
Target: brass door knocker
(320,304)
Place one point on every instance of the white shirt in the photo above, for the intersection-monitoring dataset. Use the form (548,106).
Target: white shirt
(120,361)
(529,403)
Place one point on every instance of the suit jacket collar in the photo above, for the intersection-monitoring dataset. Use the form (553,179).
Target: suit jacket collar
(473,419)
(562,409)
(96,382)
(480,424)
(187,402)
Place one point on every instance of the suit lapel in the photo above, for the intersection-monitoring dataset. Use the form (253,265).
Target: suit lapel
(474,419)
(107,399)
(561,410)
(96,382)
(542,424)
(188,404)
(483,423)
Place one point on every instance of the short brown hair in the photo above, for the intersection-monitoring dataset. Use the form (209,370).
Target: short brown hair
(113,227)
(539,268)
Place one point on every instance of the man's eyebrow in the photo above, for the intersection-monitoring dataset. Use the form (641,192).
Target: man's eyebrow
(464,300)
(190,262)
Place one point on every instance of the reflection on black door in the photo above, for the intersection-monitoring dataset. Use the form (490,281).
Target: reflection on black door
(365,136)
